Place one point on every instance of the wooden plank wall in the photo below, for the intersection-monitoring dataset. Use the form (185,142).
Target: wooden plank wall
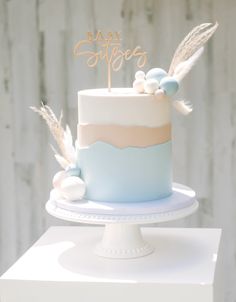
(36,63)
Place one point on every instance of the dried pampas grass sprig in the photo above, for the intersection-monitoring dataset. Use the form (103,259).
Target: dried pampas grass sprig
(62,137)
(184,67)
(62,161)
(191,43)
(183,107)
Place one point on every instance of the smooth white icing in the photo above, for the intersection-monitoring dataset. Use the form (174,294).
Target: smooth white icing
(122,106)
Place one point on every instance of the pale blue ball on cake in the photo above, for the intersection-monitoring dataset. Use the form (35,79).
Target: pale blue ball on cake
(73,170)
(156,74)
(170,85)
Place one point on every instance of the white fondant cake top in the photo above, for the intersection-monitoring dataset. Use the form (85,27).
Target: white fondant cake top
(122,106)
(115,92)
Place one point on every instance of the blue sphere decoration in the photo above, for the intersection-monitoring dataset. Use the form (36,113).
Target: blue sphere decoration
(169,85)
(156,74)
(73,170)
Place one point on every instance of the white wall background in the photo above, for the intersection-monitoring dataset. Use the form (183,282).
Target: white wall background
(36,63)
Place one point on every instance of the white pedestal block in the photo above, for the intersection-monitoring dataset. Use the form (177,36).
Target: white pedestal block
(62,266)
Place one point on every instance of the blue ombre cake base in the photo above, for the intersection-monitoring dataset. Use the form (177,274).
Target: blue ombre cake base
(126,175)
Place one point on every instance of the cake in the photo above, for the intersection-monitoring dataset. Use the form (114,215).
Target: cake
(123,149)
(124,145)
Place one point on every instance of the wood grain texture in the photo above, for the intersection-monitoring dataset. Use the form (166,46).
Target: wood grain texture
(36,64)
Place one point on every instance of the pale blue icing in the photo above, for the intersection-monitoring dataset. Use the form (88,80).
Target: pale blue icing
(126,175)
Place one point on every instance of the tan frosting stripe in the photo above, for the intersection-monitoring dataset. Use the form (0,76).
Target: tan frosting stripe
(123,136)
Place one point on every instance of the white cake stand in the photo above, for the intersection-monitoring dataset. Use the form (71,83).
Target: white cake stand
(122,237)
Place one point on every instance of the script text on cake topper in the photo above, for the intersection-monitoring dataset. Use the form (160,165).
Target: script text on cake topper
(108,49)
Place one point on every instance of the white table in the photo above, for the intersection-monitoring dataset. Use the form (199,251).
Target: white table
(61,266)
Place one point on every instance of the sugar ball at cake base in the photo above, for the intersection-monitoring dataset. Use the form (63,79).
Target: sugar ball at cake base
(138,85)
(55,194)
(58,178)
(73,188)
(139,75)
(151,86)
(73,170)
(169,85)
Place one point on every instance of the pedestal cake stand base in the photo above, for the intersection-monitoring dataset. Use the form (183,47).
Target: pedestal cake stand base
(122,237)
(123,241)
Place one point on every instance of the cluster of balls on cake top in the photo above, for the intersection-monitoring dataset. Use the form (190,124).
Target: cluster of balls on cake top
(155,81)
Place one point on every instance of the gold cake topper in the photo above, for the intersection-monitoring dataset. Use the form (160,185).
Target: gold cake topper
(109,50)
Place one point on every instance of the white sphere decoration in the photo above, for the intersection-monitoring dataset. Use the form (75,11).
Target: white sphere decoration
(139,75)
(169,85)
(58,178)
(138,85)
(150,86)
(159,93)
(73,188)
(55,194)
(156,73)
